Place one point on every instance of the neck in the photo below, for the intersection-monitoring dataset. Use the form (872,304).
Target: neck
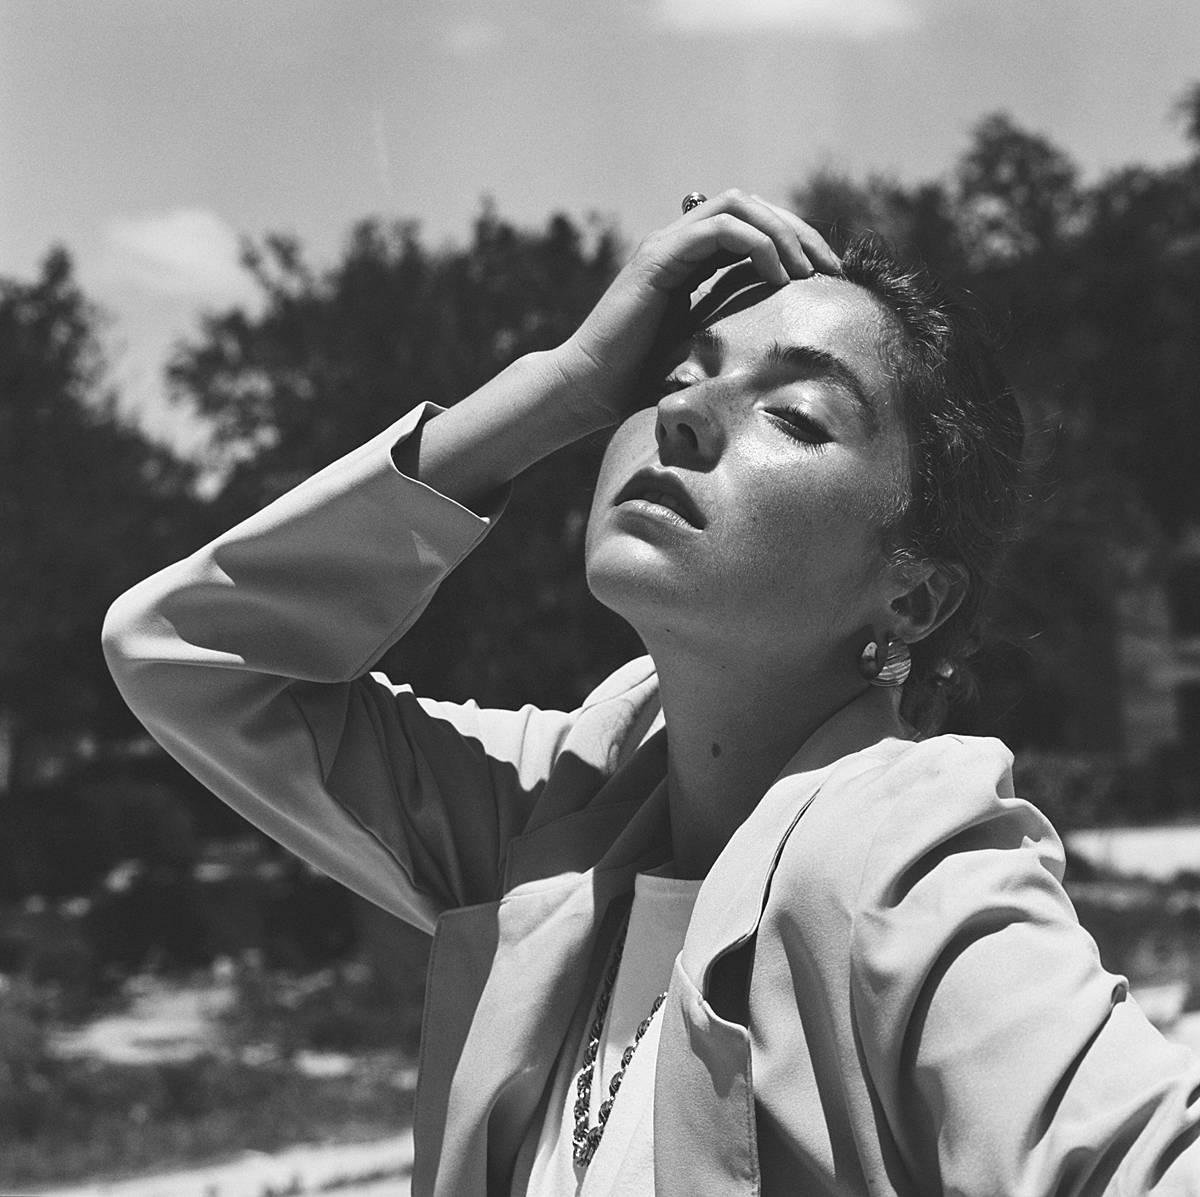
(731,728)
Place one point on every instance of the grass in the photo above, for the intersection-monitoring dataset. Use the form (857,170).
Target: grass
(66,1120)
(85,1120)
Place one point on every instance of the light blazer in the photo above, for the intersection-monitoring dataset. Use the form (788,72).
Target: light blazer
(884,989)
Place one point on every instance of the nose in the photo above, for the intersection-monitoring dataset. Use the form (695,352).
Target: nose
(689,430)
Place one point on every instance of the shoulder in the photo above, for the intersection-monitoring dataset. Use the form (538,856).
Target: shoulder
(951,856)
(952,795)
(892,813)
(902,769)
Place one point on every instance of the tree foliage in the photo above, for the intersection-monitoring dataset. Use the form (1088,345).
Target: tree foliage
(1095,295)
(1017,195)
(1094,291)
(87,507)
(337,356)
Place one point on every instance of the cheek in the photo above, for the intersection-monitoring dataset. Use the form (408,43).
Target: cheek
(630,446)
(827,541)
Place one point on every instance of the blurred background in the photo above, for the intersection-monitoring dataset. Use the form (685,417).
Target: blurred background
(238,239)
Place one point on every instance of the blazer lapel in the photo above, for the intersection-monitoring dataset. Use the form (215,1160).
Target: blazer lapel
(731,900)
(705,1137)
(625,823)
(506,978)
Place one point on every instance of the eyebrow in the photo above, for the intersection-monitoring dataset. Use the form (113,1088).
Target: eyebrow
(809,360)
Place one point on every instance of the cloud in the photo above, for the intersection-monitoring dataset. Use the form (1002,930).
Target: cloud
(188,253)
(837,18)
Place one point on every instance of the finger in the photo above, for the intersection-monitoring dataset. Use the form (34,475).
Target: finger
(774,222)
(712,266)
(764,217)
(676,257)
(815,245)
(736,236)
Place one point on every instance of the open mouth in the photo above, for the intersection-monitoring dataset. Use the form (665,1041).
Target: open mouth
(661,491)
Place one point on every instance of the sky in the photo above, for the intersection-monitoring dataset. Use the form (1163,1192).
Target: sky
(150,136)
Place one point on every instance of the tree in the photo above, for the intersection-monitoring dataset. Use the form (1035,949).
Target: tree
(1017,194)
(920,221)
(87,507)
(335,357)
(1138,309)
(1094,294)
(1188,110)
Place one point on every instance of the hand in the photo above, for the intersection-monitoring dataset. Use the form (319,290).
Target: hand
(602,362)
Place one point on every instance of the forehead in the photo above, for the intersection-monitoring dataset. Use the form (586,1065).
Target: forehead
(821,312)
(835,326)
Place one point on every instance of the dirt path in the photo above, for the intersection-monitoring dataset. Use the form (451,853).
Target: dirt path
(379,1169)
(164,1023)
(168,1022)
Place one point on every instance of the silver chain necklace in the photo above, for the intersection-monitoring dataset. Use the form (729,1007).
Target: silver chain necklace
(587,1138)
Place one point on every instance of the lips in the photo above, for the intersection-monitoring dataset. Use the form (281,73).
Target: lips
(662,490)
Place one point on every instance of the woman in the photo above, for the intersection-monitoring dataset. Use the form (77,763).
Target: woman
(872,980)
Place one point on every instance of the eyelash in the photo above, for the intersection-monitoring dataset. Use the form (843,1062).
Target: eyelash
(801,426)
(796,423)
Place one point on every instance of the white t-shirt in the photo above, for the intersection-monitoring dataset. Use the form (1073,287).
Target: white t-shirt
(624,1161)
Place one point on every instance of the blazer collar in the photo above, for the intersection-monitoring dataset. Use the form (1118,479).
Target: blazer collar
(704,1112)
(731,901)
(625,830)
(626,826)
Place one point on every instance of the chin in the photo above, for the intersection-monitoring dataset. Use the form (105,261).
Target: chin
(617,582)
(640,590)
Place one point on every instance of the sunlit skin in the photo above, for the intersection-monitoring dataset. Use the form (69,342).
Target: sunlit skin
(755,619)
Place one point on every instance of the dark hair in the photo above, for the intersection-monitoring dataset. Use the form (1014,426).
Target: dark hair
(965,436)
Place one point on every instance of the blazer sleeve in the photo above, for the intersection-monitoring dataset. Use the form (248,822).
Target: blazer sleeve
(1007,1060)
(247,662)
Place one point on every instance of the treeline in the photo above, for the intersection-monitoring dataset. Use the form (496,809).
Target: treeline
(1093,289)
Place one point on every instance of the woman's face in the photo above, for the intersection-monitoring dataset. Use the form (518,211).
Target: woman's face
(745,512)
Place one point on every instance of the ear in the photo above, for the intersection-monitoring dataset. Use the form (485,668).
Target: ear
(932,592)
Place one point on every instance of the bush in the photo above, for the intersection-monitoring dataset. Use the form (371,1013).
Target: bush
(338,1009)
(1072,789)
(1148,932)
(62,838)
(87,1120)
(26,1067)
(84,1119)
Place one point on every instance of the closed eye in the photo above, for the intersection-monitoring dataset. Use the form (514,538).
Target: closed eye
(800,425)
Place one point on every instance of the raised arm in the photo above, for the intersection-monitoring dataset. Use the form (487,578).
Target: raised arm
(548,400)
(247,659)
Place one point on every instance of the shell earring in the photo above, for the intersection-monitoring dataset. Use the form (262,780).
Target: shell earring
(890,671)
